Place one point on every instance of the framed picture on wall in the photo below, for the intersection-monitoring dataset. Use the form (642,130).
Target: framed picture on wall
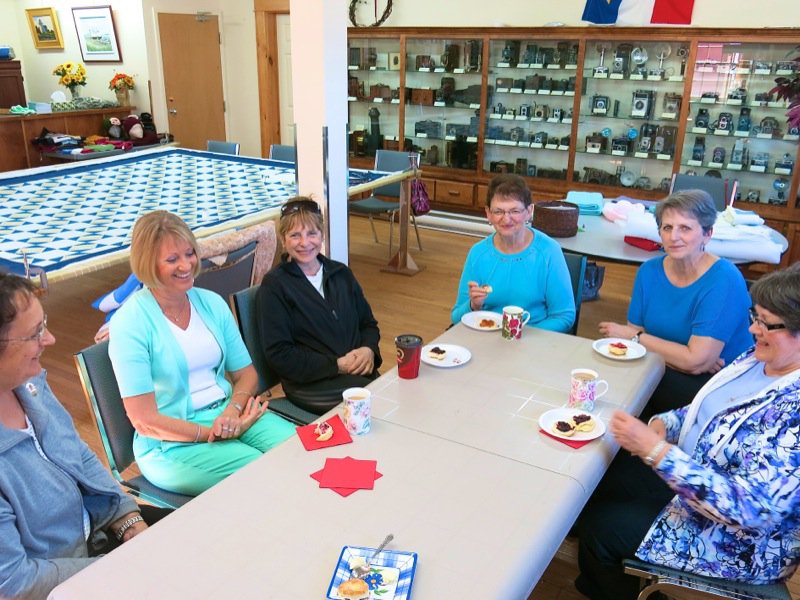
(97,35)
(44,28)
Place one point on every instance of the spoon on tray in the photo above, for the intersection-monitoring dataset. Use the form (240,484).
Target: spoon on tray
(362,570)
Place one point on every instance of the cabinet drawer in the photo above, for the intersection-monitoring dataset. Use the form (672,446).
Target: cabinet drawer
(452,192)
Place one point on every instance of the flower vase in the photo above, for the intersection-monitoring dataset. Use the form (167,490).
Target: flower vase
(123,96)
(75,90)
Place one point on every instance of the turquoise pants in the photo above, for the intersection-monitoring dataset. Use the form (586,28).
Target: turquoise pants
(193,468)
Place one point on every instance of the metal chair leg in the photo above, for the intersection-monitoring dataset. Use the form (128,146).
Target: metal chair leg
(416,230)
(374,233)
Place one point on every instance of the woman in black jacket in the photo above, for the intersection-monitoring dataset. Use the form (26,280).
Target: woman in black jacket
(318,331)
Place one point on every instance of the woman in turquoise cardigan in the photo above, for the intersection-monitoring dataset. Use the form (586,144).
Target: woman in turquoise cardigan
(172,346)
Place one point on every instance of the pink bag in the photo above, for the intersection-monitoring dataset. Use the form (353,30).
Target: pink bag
(420,202)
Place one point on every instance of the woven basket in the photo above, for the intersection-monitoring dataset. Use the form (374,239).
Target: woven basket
(556,218)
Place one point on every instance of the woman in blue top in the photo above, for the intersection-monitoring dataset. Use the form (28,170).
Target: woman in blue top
(517,264)
(172,346)
(689,306)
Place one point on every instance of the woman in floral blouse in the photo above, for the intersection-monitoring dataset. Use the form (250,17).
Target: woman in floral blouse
(730,461)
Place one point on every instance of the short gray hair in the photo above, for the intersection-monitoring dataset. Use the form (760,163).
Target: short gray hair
(695,203)
(779,293)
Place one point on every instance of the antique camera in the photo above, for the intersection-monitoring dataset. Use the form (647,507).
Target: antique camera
(531,170)
(541,111)
(517,134)
(372,57)
(422,97)
(672,103)
(504,82)
(665,139)
(518,84)
(718,155)
(770,125)
(621,57)
(785,162)
(763,97)
(557,113)
(740,153)
(380,90)
(565,141)
(521,166)
(786,65)
(702,118)
(761,159)
(424,61)
(780,185)
(433,129)
(744,65)
(794,130)
(354,88)
(499,109)
(642,104)
(446,89)
(354,58)
(456,130)
(500,166)
(724,122)
(754,196)
(511,112)
(540,137)
(647,133)
(596,142)
(545,56)
(620,144)
(739,94)
(526,110)
(510,53)
(600,104)
(534,82)
(709,95)
(451,58)
(494,132)
(529,56)
(743,123)
(472,55)
(572,55)
(699,148)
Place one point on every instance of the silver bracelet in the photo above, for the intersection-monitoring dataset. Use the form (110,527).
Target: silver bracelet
(238,407)
(652,457)
(197,435)
(127,524)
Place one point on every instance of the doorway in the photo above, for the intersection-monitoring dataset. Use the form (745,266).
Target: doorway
(190,54)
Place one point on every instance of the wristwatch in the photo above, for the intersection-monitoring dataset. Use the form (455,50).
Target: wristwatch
(651,458)
(636,337)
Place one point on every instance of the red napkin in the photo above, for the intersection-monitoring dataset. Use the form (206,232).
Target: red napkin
(571,443)
(642,243)
(346,475)
(309,438)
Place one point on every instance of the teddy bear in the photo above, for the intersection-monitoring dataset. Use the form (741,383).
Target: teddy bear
(136,132)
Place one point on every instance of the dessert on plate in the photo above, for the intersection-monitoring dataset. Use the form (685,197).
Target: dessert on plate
(564,428)
(437,353)
(618,349)
(487,323)
(583,422)
(354,589)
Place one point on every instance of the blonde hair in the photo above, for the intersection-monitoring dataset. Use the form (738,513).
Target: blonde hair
(300,218)
(148,234)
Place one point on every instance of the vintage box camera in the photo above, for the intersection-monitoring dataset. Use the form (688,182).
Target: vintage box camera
(744,122)
(540,137)
(718,155)
(526,110)
(529,56)
(621,144)
(516,134)
(702,118)
(501,166)
(672,103)
(510,53)
(760,159)
(565,141)
(380,90)
(763,97)
(519,84)
(754,196)
(724,122)
(699,148)
(422,97)
(424,61)
(545,56)
(511,112)
(709,95)
(499,108)
(533,82)
(793,130)
(620,63)
(355,89)
(521,166)
(596,142)
(355,58)
(770,125)
(598,176)
(451,58)
(456,130)
(531,170)
(557,113)
(494,132)
(642,104)
(541,111)
(433,129)
(600,104)
(786,65)
(446,91)
(739,94)
(473,50)
(740,155)
(785,162)
(504,82)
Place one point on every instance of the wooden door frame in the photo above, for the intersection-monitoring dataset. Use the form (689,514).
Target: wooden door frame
(266,16)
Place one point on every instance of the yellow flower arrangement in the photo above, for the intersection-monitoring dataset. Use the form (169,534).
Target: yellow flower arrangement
(70,74)
(121,81)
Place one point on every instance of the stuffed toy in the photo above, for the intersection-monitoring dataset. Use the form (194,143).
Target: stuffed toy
(147,122)
(136,133)
(115,128)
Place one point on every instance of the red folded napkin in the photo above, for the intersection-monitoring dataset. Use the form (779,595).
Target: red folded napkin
(346,475)
(571,443)
(642,243)
(309,439)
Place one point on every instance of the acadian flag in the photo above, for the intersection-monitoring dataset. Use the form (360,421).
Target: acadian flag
(638,12)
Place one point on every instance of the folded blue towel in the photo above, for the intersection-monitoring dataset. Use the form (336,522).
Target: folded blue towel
(589,203)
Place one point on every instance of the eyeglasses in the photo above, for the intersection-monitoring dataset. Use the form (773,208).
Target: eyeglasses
(755,319)
(514,213)
(295,206)
(36,337)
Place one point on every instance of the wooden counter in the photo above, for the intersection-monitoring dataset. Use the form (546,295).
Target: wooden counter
(16,132)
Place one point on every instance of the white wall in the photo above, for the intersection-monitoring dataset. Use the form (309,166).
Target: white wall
(531,13)
(38,65)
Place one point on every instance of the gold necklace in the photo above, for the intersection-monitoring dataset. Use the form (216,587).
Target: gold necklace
(178,316)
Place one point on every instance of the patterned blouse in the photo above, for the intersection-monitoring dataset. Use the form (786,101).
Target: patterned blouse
(736,513)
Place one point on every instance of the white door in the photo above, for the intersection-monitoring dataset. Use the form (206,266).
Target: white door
(285,80)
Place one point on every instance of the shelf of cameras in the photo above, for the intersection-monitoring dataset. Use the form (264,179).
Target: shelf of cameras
(629,61)
(516,54)
(740,158)
(747,67)
(643,105)
(648,142)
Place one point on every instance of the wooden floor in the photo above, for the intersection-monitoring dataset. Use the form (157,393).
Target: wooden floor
(419,304)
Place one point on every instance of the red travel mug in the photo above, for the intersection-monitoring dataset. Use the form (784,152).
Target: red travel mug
(409,352)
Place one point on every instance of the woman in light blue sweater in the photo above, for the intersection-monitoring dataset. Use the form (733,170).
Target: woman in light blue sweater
(517,264)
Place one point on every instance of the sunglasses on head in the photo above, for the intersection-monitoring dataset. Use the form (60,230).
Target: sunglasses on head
(295,206)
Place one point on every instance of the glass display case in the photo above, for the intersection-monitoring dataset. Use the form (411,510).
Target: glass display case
(443,96)
(737,130)
(630,113)
(530,103)
(374,94)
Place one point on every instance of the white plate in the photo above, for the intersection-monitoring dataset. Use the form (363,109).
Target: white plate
(548,419)
(455,356)
(635,350)
(395,566)
(473,320)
